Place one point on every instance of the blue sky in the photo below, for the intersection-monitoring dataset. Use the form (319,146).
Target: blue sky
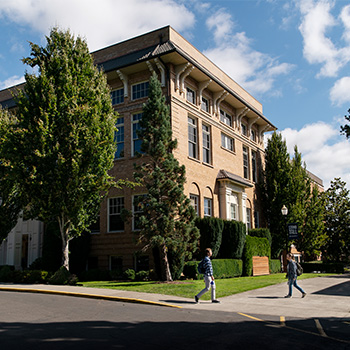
(292,55)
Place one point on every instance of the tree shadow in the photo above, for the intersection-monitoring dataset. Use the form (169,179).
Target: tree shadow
(341,289)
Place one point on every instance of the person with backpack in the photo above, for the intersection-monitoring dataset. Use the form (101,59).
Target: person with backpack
(205,268)
(292,274)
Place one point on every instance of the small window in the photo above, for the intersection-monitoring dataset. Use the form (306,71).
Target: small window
(208,207)
(136,141)
(225,118)
(192,138)
(115,207)
(252,135)
(254,167)
(249,219)
(140,90)
(227,142)
(244,129)
(119,138)
(190,95)
(195,202)
(233,211)
(206,144)
(117,96)
(245,163)
(205,105)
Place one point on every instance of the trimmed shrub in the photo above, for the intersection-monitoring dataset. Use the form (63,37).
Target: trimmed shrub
(142,276)
(34,276)
(62,276)
(233,240)
(262,233)
(323,267)
(129,274)
(254,246)
(275,265)
(6,273)
(210,234)
(190,269)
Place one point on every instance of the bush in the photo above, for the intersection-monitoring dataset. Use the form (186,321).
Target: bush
(233,240)
(275,265)
(129,274)
(34,276)
(37,264)
(254,246)
(176,263)
(223,268)
(262,233)
(62,276)
(142,276)
(323,267)
(6,273)
(210,234)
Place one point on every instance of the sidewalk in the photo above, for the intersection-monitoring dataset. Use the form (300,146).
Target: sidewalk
(326,297)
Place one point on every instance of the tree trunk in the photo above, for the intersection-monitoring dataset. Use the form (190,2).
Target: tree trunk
(64,231)
(164,264)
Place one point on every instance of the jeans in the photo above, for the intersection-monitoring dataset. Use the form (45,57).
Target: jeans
(294,283)
(208,283)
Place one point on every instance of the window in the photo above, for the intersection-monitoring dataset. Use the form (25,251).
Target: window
(249,219)
(227,142)
(195,202)
(256,219)
(136,141)
(233,211)
(117,96)
(119,138)
(245,163)
(254,168)
(140,90)
(115,263)
(115,207)
(244,129)
(192,138)
(206,144)
(205,105)
(252,135)
(225,118)
(208,207)
(190,95)
(137,212)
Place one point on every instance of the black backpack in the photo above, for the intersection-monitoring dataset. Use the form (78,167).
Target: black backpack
(200,267)
(299,269)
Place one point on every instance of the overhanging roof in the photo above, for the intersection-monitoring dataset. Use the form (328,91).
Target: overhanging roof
(226,175)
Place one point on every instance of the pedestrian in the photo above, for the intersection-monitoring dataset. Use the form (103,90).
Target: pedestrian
(292,276)
(208,277)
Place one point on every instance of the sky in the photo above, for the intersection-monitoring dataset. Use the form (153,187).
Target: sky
(291,55)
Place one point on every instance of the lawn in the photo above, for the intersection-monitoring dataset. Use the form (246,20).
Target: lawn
(189,288)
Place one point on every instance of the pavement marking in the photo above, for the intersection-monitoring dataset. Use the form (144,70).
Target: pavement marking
(252,317)
(319,327)
(90,296)
(283,321)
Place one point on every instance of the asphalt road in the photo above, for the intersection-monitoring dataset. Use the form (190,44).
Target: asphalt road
(39,321)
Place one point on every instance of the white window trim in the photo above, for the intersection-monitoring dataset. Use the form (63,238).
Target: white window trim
(108,216)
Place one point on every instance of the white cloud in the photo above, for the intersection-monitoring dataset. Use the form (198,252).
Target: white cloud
(316,21)
(233,53)
(102,22)
(12,81)
(325,152)
(340,92)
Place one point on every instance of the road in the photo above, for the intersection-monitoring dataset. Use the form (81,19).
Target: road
(39,321)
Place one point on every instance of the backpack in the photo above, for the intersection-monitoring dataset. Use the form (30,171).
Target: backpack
(299,269)
(200,267)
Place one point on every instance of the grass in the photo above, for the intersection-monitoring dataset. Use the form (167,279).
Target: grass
(189,288)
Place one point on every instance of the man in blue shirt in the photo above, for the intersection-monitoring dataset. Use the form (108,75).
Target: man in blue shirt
(208,278)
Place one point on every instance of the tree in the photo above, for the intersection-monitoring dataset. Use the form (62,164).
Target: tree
(167,219)
(63,145)
(345,129)
(337,221)
(10,205)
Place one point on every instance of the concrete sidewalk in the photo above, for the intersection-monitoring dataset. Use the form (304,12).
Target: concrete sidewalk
(326,297)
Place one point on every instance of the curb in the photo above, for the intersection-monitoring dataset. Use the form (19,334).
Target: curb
(88,296)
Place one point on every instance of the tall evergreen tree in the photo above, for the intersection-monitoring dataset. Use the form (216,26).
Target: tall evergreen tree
(337,221)
(63,144)
(167,219)
(345,129)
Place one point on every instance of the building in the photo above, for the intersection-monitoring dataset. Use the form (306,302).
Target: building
(219,127)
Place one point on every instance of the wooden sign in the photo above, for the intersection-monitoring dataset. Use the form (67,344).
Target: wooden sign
(261,265)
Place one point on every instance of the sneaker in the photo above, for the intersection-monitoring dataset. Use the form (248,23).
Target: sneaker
(215,301)
(288,296)
(303,295)
(196,299)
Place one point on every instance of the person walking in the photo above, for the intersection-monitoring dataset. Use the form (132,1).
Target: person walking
(292,276)
(208,277)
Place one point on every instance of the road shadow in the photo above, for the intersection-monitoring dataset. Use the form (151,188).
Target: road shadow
(341,289)
(267,297)
(178,301)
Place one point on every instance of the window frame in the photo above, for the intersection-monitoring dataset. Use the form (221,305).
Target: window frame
(142,92)
(119,96)
(206,144)
(190,95)
(115,214)
(135,125)
(194,199)
(224,117)
(254,167)
(244,129)
(208,207)
(245,152)
(224,139)
(192,144)
(120,153)
(205,104)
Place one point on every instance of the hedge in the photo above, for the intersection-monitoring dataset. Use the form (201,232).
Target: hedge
(262,233)
(233,240)
(223,268)
(323,267)
(254,246)
(275,265)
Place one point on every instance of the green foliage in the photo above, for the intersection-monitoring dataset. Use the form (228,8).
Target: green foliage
(323,267)
(233,240)
(223,268)
(6,273)
(62,146)
(262,233)
(167,219)
(345,129)
(210,229)
(9,274)
(129,274)
(275,265)
(142,276)
(62,276)
(337,221)
(254,246)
